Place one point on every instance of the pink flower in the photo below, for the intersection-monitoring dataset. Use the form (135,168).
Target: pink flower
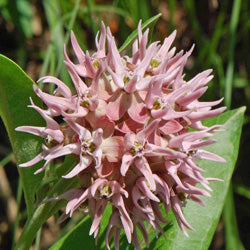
(128,127)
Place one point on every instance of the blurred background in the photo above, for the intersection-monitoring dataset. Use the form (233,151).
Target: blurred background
(32,33)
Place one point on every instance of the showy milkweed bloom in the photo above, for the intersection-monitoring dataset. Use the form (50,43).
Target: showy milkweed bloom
(127,123)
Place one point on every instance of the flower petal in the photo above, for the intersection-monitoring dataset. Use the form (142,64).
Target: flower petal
(118,105)
(137,109)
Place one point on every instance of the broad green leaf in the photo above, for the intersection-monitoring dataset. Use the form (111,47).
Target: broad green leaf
(203,219)
(149,23)
(15,90)
(78,237)
(44,211)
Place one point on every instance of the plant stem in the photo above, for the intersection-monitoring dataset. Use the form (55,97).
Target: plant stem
(38,236)
(90,12)
(16,223)
(230,68)
(6,160)
(67,36)
(232,234)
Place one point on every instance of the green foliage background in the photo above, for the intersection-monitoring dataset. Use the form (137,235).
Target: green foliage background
(33,34)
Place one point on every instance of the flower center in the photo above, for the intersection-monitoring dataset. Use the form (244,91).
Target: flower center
(137,149)
(154,63)
(126,79)
(96,64)
(159,103)
(50,142)
(106,191)
(87,147)
(84,100)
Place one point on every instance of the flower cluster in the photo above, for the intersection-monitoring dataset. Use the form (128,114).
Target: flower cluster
(128,125)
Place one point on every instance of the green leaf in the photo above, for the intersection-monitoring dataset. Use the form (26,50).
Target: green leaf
(202,219)
(44,211)
(149,23)
(78,237)
(15,90)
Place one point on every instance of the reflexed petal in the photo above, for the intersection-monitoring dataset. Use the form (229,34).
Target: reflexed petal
(84,163)
(142,164)
(97,137)
(129,126)
(127,160)
(62,88)
(169,127)
(80,130)
(78,51)
(100,207)
(34,161)
(203,154)
(118,105)
(195,116)
(137,110)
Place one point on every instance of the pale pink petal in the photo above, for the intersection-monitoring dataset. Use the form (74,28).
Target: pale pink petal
(118,202)
(130,87)
(80,130)
(56,103)
(195,116)
(42,132)
(113,226)
(147,131)
(127,160)
(35,160)
(153,93)
(170,127)
(114,58)
(137,110)
(100,207)
(60,150)
(142,164)
(80,86)
(141,184)
(43,167)
(78,51)
(128,126)
(112,148)
(166,45)
(98,157)
(98,185)
(97,137)
(176,205)
(90,69)
(118,105)
(84,163)
(100,45)
(186,99)
(62,88)
(49,121)
(203,154)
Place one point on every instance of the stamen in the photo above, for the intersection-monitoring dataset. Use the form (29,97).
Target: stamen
(50,142)
(96,64)
(126,79)
(154,63)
